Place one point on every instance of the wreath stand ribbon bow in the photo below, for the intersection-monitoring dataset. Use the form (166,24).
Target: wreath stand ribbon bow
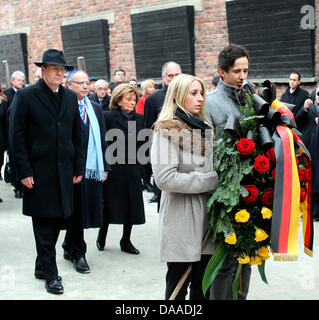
(287,206)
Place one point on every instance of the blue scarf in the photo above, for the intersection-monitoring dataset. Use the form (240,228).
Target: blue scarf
(94,168)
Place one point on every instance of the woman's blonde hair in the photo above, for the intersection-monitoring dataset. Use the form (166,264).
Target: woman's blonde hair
(118,93)
(146,83)
(176,95)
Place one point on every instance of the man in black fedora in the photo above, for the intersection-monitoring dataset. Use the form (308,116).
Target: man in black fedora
(46,141)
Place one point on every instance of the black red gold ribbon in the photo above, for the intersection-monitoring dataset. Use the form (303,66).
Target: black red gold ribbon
(287,207)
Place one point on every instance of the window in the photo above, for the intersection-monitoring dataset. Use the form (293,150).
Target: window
(13,48)
(91,41)
(160,36)
(271,31)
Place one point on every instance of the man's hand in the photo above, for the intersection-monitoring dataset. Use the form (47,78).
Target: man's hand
(105,176)
(77,179)
(28,182)
(307,104)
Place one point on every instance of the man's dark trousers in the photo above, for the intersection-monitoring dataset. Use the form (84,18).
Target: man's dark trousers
(46,233)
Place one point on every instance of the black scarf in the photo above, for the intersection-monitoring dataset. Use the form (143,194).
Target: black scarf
(192,121)
(126,116)
(56,98)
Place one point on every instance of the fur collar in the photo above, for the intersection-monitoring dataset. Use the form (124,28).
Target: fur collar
(187,138)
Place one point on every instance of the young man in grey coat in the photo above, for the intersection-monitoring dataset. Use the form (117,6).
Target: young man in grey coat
(233,62)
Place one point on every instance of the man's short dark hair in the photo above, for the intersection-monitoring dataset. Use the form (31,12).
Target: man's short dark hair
(121,70)
(228,56)
(297,73)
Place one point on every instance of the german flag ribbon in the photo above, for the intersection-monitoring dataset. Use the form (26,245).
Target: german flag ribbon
(286,205)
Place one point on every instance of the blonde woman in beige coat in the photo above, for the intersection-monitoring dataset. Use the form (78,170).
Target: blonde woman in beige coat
(181,161)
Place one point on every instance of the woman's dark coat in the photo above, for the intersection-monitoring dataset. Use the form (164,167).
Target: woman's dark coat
(122,191)
(46,142)
(88,201)
(4,129)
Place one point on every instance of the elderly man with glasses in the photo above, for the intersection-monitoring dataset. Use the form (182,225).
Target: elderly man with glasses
(88,201)
(101,94)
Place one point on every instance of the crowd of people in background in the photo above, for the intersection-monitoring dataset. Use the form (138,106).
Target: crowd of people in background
(95,193)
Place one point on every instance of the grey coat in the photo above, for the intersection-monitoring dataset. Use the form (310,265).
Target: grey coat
(220,103)
(181,171)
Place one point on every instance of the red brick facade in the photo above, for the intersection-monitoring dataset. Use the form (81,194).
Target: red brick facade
(44,18)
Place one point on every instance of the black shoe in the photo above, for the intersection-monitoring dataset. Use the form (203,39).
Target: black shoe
(148,187)
(54,286)
(100,241)
(80,265)
(39,275)
(67,255)
(127,246)
(18,195)
(153,199)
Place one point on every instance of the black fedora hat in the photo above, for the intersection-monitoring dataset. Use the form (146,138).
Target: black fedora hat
(53,56)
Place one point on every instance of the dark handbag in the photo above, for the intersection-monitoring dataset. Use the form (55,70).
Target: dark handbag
(8,173)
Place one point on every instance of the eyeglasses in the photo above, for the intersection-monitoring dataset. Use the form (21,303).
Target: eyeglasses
(82,83)
(102,89)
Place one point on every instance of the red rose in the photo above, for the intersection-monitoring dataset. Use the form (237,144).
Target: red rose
(303,174)
(261,164)
(268,197)
(253,193)
(271,154)
(303,194)
(307,175)
(245,146)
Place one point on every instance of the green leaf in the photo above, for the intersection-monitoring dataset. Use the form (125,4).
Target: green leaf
(235,283)
(213,266)
(243,191)
(261,269)
(246,166)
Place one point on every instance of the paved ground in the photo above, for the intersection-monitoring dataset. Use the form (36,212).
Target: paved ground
(119,276)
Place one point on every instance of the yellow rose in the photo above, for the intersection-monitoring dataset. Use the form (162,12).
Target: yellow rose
(263,253)
(243,260)
(231,239)
(267,213)
(260,235)
(242,216)
(255,260)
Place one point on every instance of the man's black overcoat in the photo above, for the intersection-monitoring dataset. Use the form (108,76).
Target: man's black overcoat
(46,142)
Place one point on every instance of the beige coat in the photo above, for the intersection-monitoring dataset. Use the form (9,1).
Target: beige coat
(181,171)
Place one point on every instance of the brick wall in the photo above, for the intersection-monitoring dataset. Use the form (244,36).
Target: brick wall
(44,18)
